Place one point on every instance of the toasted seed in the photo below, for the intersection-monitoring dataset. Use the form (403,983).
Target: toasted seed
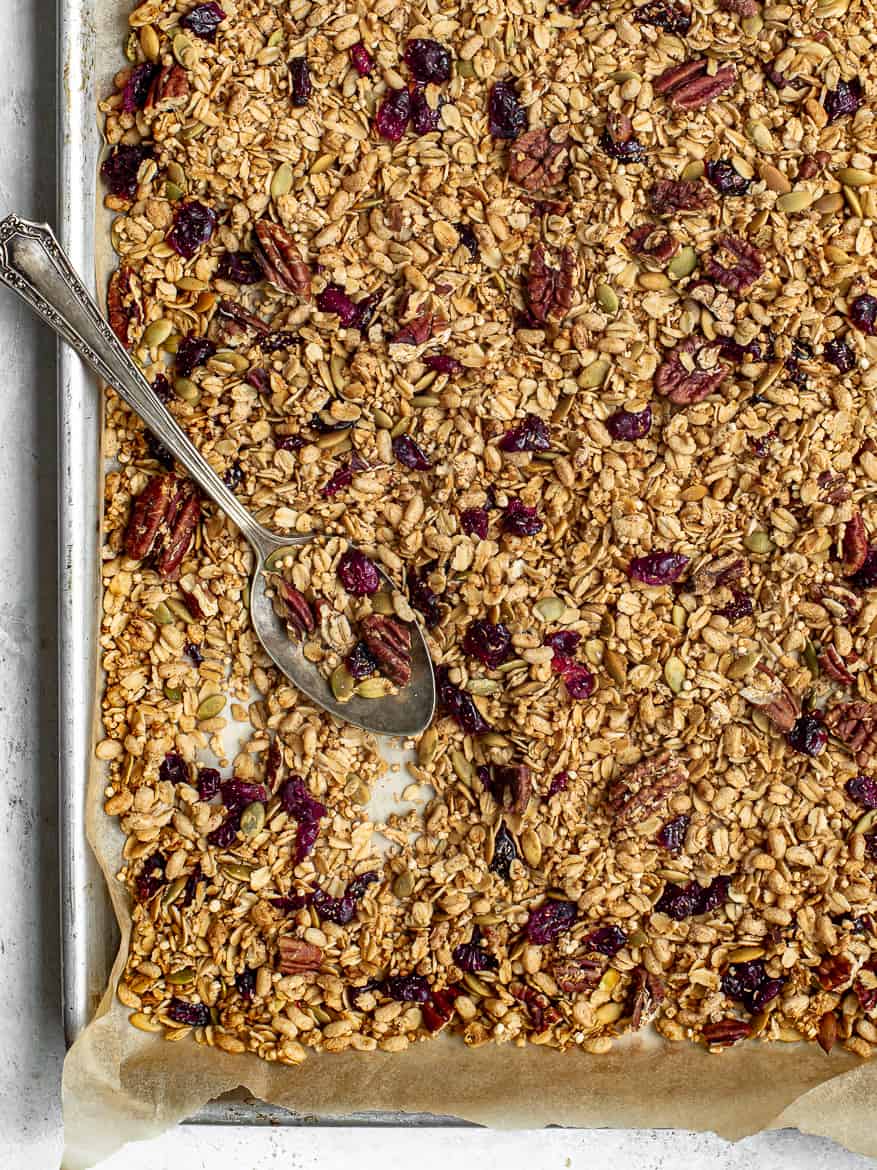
(183,50)
(854,177)
(144,1023)
(609,980)
(531,847)
(403,886)
(464,770)
(342,683)
(674,673)
(382,418)
(186,389)
(427,747)
(758,542)
(324,163)
(161,615)
(794,201)
(494,739)
(679,617)
(609,1013)
(616,666)
(594,375)
(237,871)
(382,602)
(774,178)
(683,263)
(224,359)
(752,25)
(210,707)
(281,181)
(374,688)
(828,204)
(549,609)
(482,686)
(743,665)
(158,332)
(866,822)
(476,985)
(178,978)
(174,694)
(811,658)
(173,890)
(693,170)
(149,43)
(760,136)
(173,192)
(253,819)
(607,299)
(654,281)
(769,376)
(745,954)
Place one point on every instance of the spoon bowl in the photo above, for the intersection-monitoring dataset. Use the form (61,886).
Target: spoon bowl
(33,264)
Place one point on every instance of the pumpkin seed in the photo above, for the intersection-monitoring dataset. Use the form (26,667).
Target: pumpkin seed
(342,683)
(172,891)
(853,177)
(760,136)
(549,609)
(794,201)
(403,886)
(382,419)
(161,615)
(466,68)
(144,1023)
(853,201)
(281,181)
(607,299)
(683,263)
(653,281)
(421,401)
(482,686)
(382,602)
(174,694)
(150,43)
(237,871)
(475,984)
(693,170)
(178,609)
(678,616)
(210,707)
(531,847)
(594,375)
(811,658)
(616,666)
(745,954)
(276,38)
(130,49)
(609,1013)
(186,389)
(493,739)
(333,441)
(156,333)
(463,768)
(228,357)
(758,542)
(828,204)
(866,822)
(173,192)
(178,978)
(191,284)
(427,747)
(674,673)
(774,179)
(609,980)
(183,50)
(253,819)
(743,665)
(324,163)
(752,25)
(374,688)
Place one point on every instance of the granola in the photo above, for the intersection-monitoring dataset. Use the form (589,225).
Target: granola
(565,313)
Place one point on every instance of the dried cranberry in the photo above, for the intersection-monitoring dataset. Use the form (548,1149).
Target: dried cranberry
(871,853)
(563,642)
(504,853)
(259,379)
(866,577)
(809,736)
(239,268)
(679,902)
(606,940)
(489,642)
(203,21)
(360,662)
(624,147)
(194,224)
(862,790)
(529,435)
(245,982)
(394,114)
(119,169)
(174,769)
(459,704)
(425,119)
(471,957)
(233,476)
(297,802)
(474,522)
(361,59)
(333,299)
(428,60)
(277,339)
(671,17)
(136,89)
(237,794)
(578,680)
(151,877)
(468,239)
(300,84)
(208,783)
(739,607)
(629,425)
(193,650)
(727,180)
(761,446)
(358,886)
(840,354)
(196,1015)
(506,117)
(358,574)
(558,784)
(161,388)
(408,988)
(158,451)
(549,921)
(658,568)
(192,351)
(671,836)
(291,903)
(225,834)
(844,101)
(422,597)
(410,454)
(340,478)
(519,519)
(863,314)
(742,980)
(191,887)
(443,363)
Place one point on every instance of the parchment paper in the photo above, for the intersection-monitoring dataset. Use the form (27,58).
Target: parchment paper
(123,1085)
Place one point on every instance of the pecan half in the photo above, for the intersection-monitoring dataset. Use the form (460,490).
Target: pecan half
(653,242)
(123,304)
(549,290)
(273,765)
(644,998)
(739,7)
(389,642)
(669,195)
(539,1006)
(826,1033)
(169,89)
(834,971)
(722,1033)
(855,544)
(855,724)
(296,609)
(773,697)
(838,600)
(513,783)
(745,267)
(280,260)
(690,372)
(148,514)
(575,975)
(183,514)
(833,489)
(643,788)
(237,319)
(540,159)
(690,86)
(416,331)
(833,665)
(297,956)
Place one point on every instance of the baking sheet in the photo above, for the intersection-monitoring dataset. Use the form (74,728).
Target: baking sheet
(121,1085)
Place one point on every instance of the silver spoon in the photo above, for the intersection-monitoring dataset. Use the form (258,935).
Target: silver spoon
(33,264)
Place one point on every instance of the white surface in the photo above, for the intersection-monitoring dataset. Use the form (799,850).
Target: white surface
(31,1048)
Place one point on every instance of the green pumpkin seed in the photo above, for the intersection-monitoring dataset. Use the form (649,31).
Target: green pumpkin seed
(594,375)
(342,683)
(253,819)
(131,47)
(276,38)
(616,667)
(678,616)
(173,192)
(161,615)
(374,688)
(173,891)
(464,770)
(427,747)
(794,201)
(746,954)
(382,419)
(158,332)
(150,43)
(759,134)
(176,174)
(320,1014)
(174,694)
(403,886)
(475,985)
(210,707)
(237,871)
(683,263)
(421,401)
(607,299)
(758,542)
(549,608)
(811,658)
(466,68)
(752,25)
(186,389)
(694,170)
(281,181)
(674,673)
(866,822)
(178,609)
(744,665)
(144,1023)
(183,50)
(853,202)
(178,978)
(482,686)
(853,177)
(493,739)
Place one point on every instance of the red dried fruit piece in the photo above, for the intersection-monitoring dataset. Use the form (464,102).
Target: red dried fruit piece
(690,86)
(550,290)
(831,663)
(192,352)
(834,971)
(408,988)
(652,241)
(273,764)
(549,921)
(862,790)
(504,853)
(120,168)
(194,224)
(361,59)
(474,522)
(506,117)
(123,304)
(723,175)
(643,788)
(489,642)
(358,574)
(519,519)
(439,1009)
(619,141)
(629,425)
(843,102)
(280,260)
(671,836)
(746,264)
(300,85)
(671,195)
(394,114)
(863,314)
(529,435)
(428,60)
(671,17)
(855,544)
(389,643)
(693,899)
(605,940)
(808,736)
(203,20)
(657,568)
(459,704)
(540,159)
(410,454)
(742,8)
(690,372)
(195,1015)
(297,956)
(136,88)
(865,986)
(855,724)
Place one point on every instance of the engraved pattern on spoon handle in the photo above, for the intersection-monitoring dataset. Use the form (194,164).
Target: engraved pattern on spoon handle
(33,264)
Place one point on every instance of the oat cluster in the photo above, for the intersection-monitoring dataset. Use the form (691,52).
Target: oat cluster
(565,314)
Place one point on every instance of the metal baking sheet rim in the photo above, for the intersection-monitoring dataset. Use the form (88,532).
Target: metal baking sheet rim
(89,931)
